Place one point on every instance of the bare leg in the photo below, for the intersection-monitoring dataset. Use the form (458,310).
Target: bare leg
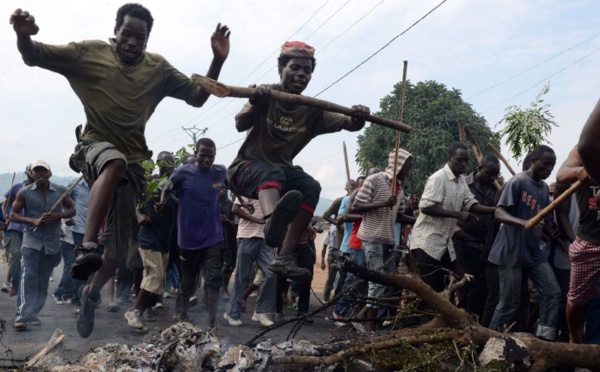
(575,317)
(249,290)
(295,231)
(107,271)
(101,197)
(111,289)
(268,198)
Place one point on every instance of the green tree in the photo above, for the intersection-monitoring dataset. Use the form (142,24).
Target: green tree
(433,112)
(527,128)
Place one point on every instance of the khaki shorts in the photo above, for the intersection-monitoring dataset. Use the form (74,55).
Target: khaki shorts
(89,158)
(155,271)
(258,278)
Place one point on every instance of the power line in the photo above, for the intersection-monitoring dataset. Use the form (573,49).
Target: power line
(327,20)
(531,68)
(232,143)
(352,25)
(289,37)
(382,48)
(543,80)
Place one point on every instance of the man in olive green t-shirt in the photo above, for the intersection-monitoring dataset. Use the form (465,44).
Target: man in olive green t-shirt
(119,85)
(277,132)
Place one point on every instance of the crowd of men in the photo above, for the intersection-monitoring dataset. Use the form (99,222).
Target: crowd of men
(156,240)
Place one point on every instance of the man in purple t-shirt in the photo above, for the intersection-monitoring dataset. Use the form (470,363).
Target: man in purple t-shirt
(200,234)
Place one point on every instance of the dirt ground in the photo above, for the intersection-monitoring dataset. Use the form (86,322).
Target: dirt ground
(112,327)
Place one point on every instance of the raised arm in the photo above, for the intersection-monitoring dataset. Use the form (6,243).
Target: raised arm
(589,146)
(572,169)
(219,42)
(24,26)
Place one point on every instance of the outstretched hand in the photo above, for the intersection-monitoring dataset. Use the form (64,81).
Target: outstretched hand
(23,23)
(219,42)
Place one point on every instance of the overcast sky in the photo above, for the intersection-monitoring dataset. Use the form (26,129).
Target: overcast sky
(470,45)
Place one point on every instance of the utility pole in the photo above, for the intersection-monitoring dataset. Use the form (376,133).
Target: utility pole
(193,131)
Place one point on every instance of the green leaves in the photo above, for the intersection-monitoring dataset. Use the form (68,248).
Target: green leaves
(527,128)
(433,111)
(156,183)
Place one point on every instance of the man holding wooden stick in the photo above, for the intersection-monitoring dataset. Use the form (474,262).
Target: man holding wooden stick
(120,85)
(41,239)
(278,131)
(584,251)
(517,251)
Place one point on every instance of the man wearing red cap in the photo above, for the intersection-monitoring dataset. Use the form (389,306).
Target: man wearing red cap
(277,132)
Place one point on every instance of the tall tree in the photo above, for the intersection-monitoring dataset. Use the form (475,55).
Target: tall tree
(433,111)
(527,128)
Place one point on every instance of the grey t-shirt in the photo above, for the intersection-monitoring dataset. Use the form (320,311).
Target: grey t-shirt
(514,246)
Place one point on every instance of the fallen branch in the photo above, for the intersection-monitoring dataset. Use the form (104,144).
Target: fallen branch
(56,339)
(364,349)
(543,354)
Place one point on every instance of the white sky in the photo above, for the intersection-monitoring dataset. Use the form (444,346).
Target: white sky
(468,45)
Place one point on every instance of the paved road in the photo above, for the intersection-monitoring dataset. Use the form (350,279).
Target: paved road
(112,327)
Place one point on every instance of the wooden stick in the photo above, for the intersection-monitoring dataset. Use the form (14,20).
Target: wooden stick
(461,132)
(221,90)
(532,223)
(499,155)
(7,201)
(400,114)
(63,196)
(475,146)
(347,169)
(56,339)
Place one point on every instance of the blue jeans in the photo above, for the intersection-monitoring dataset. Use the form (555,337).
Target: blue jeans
(252,250)
(544,281)
(16,241)
(37,267)
(378,258)
(358,257)
(67,285)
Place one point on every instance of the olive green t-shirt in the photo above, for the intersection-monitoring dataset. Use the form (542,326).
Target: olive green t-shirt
(283,131)
(118,99)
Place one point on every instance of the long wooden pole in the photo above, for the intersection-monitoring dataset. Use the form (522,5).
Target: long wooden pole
(221,90)
(501,157)
(400,114)
(7,201)
(349,189)
(532,223)
(63,196)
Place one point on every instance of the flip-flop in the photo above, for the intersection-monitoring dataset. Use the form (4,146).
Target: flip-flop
(285,211)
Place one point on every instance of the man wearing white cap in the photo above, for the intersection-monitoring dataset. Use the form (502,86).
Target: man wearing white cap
(41,240)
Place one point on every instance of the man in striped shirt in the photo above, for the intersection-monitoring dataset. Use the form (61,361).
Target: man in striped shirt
(381,207)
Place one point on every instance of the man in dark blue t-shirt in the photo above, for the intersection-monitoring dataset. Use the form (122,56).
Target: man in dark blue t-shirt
(200,234)
(516,249)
